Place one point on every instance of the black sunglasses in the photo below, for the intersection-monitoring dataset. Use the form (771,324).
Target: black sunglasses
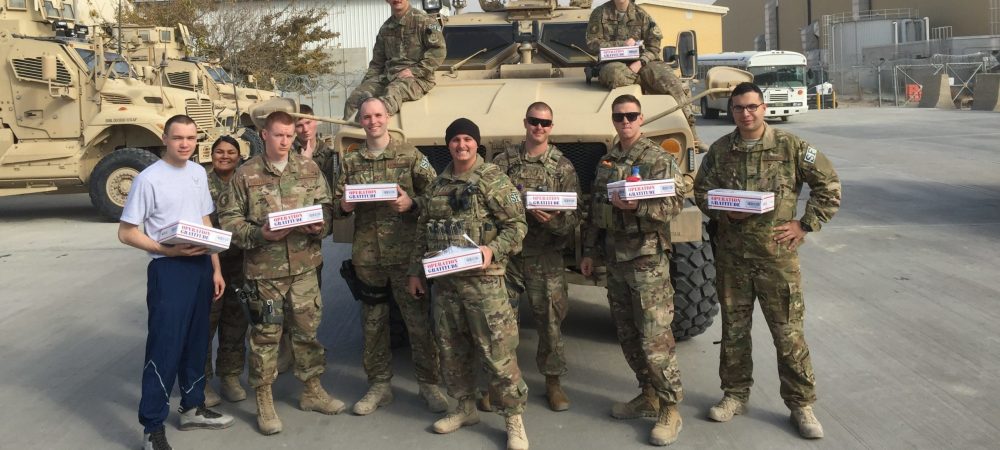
(534,121)
(631,116)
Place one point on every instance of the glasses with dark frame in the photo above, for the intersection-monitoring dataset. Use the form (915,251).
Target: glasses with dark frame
(535,122)
(631,116)
(751,107)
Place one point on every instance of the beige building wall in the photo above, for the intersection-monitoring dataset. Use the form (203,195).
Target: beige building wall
(676,16)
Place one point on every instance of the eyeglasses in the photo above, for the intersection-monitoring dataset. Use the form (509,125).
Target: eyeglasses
(535,122)
(631,116)
(751,107)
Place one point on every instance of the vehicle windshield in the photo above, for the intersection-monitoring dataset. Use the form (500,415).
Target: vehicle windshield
(219,75)
(465,41)
(120,67)
(567,41)
(779,76)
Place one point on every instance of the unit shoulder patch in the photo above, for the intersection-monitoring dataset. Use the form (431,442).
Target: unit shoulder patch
(810,156)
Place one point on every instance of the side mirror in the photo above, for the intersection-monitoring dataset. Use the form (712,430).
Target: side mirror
(193,77)
(260,111)
(670,54)
(148,74)
(687,53)
(49,68)
(251,79)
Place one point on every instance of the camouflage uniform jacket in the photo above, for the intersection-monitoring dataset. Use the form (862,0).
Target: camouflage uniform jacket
(257,189)
(381,235)
(616,235)
(232,259)
(324,156)
(413,42)
(487,207)
(548,172)
(780,162)
(605,30)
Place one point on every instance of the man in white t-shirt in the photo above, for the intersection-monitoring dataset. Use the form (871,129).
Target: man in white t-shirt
(182,281)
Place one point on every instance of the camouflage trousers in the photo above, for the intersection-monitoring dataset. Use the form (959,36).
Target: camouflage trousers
(416,313)
(299,298)
(642,307)
(543,280)
(393,92)
(656,77)
(230,321)
(473,317)
(776,284)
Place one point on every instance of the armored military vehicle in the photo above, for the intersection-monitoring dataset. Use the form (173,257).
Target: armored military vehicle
(522,51)
(77,117)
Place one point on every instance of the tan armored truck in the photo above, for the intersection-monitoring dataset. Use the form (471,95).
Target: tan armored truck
(76,117)
(501,61)
(168,49)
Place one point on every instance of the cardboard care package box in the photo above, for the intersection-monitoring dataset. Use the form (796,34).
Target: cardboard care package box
(638,190)
(624,53)
(741,201)
(550,201)
(355,193)
(453,259)
(184,232)
(295,217)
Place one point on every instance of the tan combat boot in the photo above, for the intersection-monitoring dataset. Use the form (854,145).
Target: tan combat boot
(436,401)
(211,398)
(483,402)
(554,392)
(646,404)
(726,409)
(315,398)
(805,420)
(379,394)
(517,438)
(464,414)
(667,427)
(232,391)
(267,420)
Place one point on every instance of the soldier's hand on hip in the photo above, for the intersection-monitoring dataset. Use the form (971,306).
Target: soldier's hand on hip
(405,73)
(487,255)
(791,233)
(587,266)
(634,66)
(628,205)
(403,202)
(416,287)
(274,235)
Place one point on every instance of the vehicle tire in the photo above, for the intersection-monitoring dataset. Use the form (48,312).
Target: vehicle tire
(253,140)
(707,112)
(784,118)
(696,302)
(112,178)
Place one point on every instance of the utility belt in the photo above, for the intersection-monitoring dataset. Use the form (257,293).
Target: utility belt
(444,233)
(365,293)
(259,311)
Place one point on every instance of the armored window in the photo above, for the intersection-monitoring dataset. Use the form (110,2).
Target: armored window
(144,36)
(566,43)
(490,44)
(50,10)
(17,4)
(67,12)
(166,36)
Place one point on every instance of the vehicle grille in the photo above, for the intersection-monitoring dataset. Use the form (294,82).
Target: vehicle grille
(775,97)
(31,69)
(583,155)
(201,112)
(181,80)
(116,99)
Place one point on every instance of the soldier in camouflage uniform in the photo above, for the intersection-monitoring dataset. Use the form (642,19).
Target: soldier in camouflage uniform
(383,233)
(408,48)
(227,316)
(632,238)
(756,254)
(472,314)
(280,265)
(308,144)
(620,23)
(537,165)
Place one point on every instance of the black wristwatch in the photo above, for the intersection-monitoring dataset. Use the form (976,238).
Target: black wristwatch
(806,227)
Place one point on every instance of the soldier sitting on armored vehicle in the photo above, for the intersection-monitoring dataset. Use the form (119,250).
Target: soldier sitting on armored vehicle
(622,23)
(408,48)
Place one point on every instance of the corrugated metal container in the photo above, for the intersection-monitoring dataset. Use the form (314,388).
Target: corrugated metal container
(357,21)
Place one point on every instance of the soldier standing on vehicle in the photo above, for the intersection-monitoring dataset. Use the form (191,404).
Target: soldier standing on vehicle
(280,266)
(537,165)
(383,234)
(183,280)
(632,238)
(227,316)
(756,254)
(472,200)
(408,48)
(619,23)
